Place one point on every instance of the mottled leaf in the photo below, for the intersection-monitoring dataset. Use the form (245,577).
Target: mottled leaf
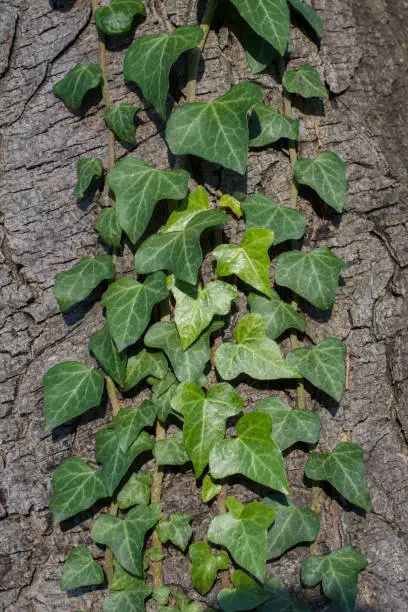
(286,223)
(309,15)
(120,120)
(88,169)
(105,352)
(268,126)
(73,87)
(171,451)
(80,570)
(176,529)
(269,19)
(143,364)
(135,491)
(277,315)
(107,226)
(118,16)
(205,566)
(305,82)
(210,489)
(247,594)
(131,600)
(326,175)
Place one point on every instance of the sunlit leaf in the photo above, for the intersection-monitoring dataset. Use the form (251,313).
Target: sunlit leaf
(269,19)
(286,223)
(118,16)
(210,489)
(135,491)
(176,529)
(171,451)
(88,169)
(107,226)
(131,600)
(309,15)
(268,126)
(326,175)
(205,566)
(278,315)
(105,352)
(73,87)
(192,205)
(121,579)
(227,201)
(305,82)
(143,364)
(120,120)
(80,570)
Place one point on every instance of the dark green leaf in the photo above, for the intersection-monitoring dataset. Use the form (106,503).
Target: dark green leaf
(135,491)
(326,175)
(286,223)
(73,87)
(155,554)
(80,570)
(120,120)
(309,15)
(269,19)
(205,566)
(305,82)
(268,126)
(121,579)
(107,226)
(163,392)
(88,169)
(143,364)
(175,529)
(104,350)
(131,600)
(259,53)
(118,16)
(246,595)
(280,599)
(278,315)
(209,489)
(171,451)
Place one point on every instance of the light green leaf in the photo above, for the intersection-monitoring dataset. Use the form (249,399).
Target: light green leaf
(131,600)
(129,306)
(194,203)
(163,392)
(74,285)
(205,566)
(138,188)
(259,53)
(150,58)
(182,603)
(143,364)
(105,352)
(278,315)
(70,389)
(171,451)
(338,573)
(155,554)
(314,275)
(344,470)
(254,353)
(178,251)
(107,226)
(121,579)
(176,529)
(268,126)
(80,570)
(269,19)
(135,491)
(309,15)
(118,16)
(209,489)
(243,533)
(253,454)
(88,169)
(286,223)
(161,595)
(247,594)
(326,175)
(227,201)
(280,599)
(323,365)
(120,120)
(74,86)
(305,82)
(216,131)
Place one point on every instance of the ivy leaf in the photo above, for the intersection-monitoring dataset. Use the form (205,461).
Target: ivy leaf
(209,489)
(76,487)
(322,365)
(143,364)
(155,554)
(344,470)
(161,595)
(74,86)
(326,175)
(254,353)
(205,566)
(280,599)
(131,600)
(253,454)
(175,529)
(171,451)
(178,251)
(338,573)
(286,223)
(305,82)
(120,120)
(118,16)
(242,531)
(269,19)
(204,418)
(150,58)
(309,15)
(108,227)
(80,570)
(121,579)
(182,604)
(70,389)
(259,53)
(138,188)
(277,315)
(216,131)
(88,169)
(247,594)
(105,352)
(162,394)
(129,305)
(135,491)
(227,201)
(314,275)
(194,203)
(74,285)
(290,426)
(268,126)
(249,261)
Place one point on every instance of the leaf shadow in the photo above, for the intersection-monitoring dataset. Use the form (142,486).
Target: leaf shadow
(96,186)
(332,493)
(299,22)
(78,311)
(69,427)
(118,43)
(81,591)
(63,6)
(309,106)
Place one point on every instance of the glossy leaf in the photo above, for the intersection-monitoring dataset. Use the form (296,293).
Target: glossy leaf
(192,205)
(227,201)
(326,175)
(268,126)
(176,529)
(143,364)
(247,594)
(259,53)
(118,16)
(205,566)
(277,315)
(88,169)
(107,226)
(309,15)
(131,600)
(209,489)
(120,120)
(305,82)
(73,87)
(80,570)
(135,491)
(279,598)
(286,223)
(269,19)
(163,392)
(171,451)
(105,352)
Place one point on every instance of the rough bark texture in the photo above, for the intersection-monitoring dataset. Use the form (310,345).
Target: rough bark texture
(363,58)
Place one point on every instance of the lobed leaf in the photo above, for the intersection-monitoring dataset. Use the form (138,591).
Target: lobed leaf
(105,352)
(120,120)
(268,126)
(176,529)
(277,315)
(107,226)
(88,169)
(247,594)
(326,175)
(192,205)
(269,19)
(309,15)
(135,491)
(286,223)
(259,53)
(209,489)
(118,16)
(131,600)
(305,82)
(205,566)
(74,86)
(121,579)
(231,202)
(171,451)
(143,364)
(279,598)
(163,392)
(80,570)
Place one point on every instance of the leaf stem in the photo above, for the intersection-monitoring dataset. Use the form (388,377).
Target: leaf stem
(221,509)
(155,496)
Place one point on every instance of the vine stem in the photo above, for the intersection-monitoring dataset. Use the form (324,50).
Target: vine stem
(155,496)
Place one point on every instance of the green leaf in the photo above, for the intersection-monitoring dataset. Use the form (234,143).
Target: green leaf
(161,595)
(107,226)
(254,353)
(178,251)
(105,352)
(118,16)
(204,418)
(150,58)
(268,126)
(143,364)
(176,529)
(131,600)
(80,570)
(253,454)
(277,315)
(209,489)
(70,389)
(155,554)
(138,188)
(126,537)
(163,392)
(194,203)
(135,491)
(129,305)
(88,169)
(121,579)
(120,120)
(74,285)
(182,604)
(76,487)
(309,15)
(171,451)
(259,53)
(314,275)
(305,82)
(242,531)
(205,566)
(338,573)
(269,19)
(216,131)
(326,175)
(74,86)
(227,201)
(247,594)
(249,261)
(323,365)
(286,223)
(290,426)
(344,470)
(280,599)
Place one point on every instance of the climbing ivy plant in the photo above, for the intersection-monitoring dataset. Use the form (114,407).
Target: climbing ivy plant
(187,421)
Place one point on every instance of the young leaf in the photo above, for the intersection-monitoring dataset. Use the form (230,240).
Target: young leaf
(120,120)
(171,451)
(74,285)
(253,454)
(121,579)
(242,531)
(280,599)
(131,600)
(338,573)
(163,392)
(80,570)
(343,468)
(268,126)
(314,275)
(259,53)
(70,389)
(143,364)
(118,16)
(129,305)
(161,595)
(175,529)
(305,82)
(107,226)
(138,187)
(74,86)
(194,203)
(254,353)
(286,223)
(269,19)
(105,352)
(326,175)
(205,566)
(135,491)
(227,201)
(249,261)
(88,169)
(322,365)
(182,603)
(150,58)
(309,15)
(247,594)
(216,131)
(178,251)
(209,489)
(277,315)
